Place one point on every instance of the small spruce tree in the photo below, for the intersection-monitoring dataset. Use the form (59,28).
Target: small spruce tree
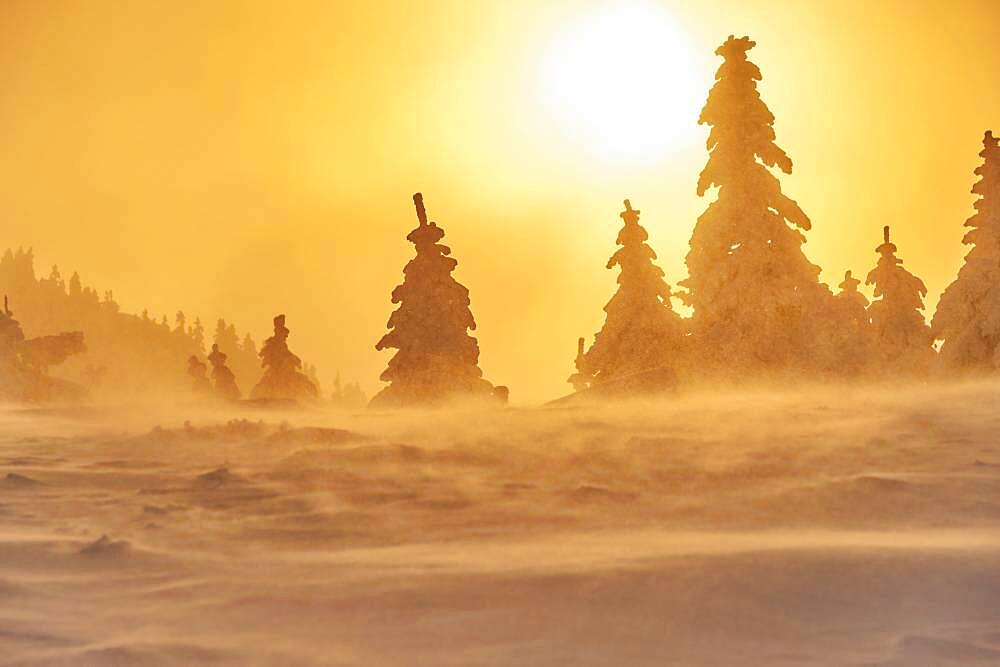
(283,377)
(968,314)
(851,341)
(756,298)
(852,302)
(436,359)
(902,339)
(223,380)
(641,331)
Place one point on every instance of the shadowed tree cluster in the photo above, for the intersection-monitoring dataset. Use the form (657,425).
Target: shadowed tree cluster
(25,362)
(436,359)
(759,310)
(126,355)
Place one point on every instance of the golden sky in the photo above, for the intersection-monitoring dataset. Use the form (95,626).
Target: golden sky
(248,158)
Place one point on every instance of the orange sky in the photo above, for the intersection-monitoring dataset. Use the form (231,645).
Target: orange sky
(244,158)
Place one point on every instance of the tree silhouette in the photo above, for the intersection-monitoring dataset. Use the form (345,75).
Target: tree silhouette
(197,333)
(198,372)
(851,340)
(968,314)
(903,341)
(283,377)
(851,301)
(223,380)
(25,362)
(579,379)
(641,330)
(756,298)
(436,358)
(242,360)
(12,372)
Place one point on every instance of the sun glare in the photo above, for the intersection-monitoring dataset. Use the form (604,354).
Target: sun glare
(619,81)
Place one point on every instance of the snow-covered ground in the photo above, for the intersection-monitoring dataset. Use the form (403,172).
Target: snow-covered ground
(823,527)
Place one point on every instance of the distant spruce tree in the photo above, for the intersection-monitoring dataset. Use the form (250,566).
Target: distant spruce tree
(853,303)
(348,395)
(968,314)
(283,377)
(851,345)
(197,333)
(225,336)
(223,380)
(902,339)
(242,359)
(198,372)
(641,331)
(436,358)
(756,298)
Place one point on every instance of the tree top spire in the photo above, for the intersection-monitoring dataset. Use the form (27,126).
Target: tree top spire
(629,215)
(735,47)
(989,140)
(418,203)
(850,282)
(886,248)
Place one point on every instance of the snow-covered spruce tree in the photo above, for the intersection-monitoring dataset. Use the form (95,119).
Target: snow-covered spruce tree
(968,314)
(853,303)
(223,380)
(436,359)
(850,348)
(903,344)
(758,304)
(283,378)
(641,331)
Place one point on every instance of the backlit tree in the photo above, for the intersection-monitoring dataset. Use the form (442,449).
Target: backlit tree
(198,372)
(902,339)
(968,314)
(223,380)
(641,331)
(850,348)
(436,359)
(757,300)
(283,377)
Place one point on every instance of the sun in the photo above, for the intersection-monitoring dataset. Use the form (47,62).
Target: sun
(619,81)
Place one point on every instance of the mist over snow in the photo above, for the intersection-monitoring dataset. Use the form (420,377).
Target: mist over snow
(824,526)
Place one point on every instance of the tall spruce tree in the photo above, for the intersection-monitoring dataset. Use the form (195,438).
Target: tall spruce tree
(436,359)
(283,377)
(757,300)
(968,314)
(902,339)
(641,331)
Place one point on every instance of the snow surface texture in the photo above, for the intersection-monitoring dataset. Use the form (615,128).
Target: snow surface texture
(829,527)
